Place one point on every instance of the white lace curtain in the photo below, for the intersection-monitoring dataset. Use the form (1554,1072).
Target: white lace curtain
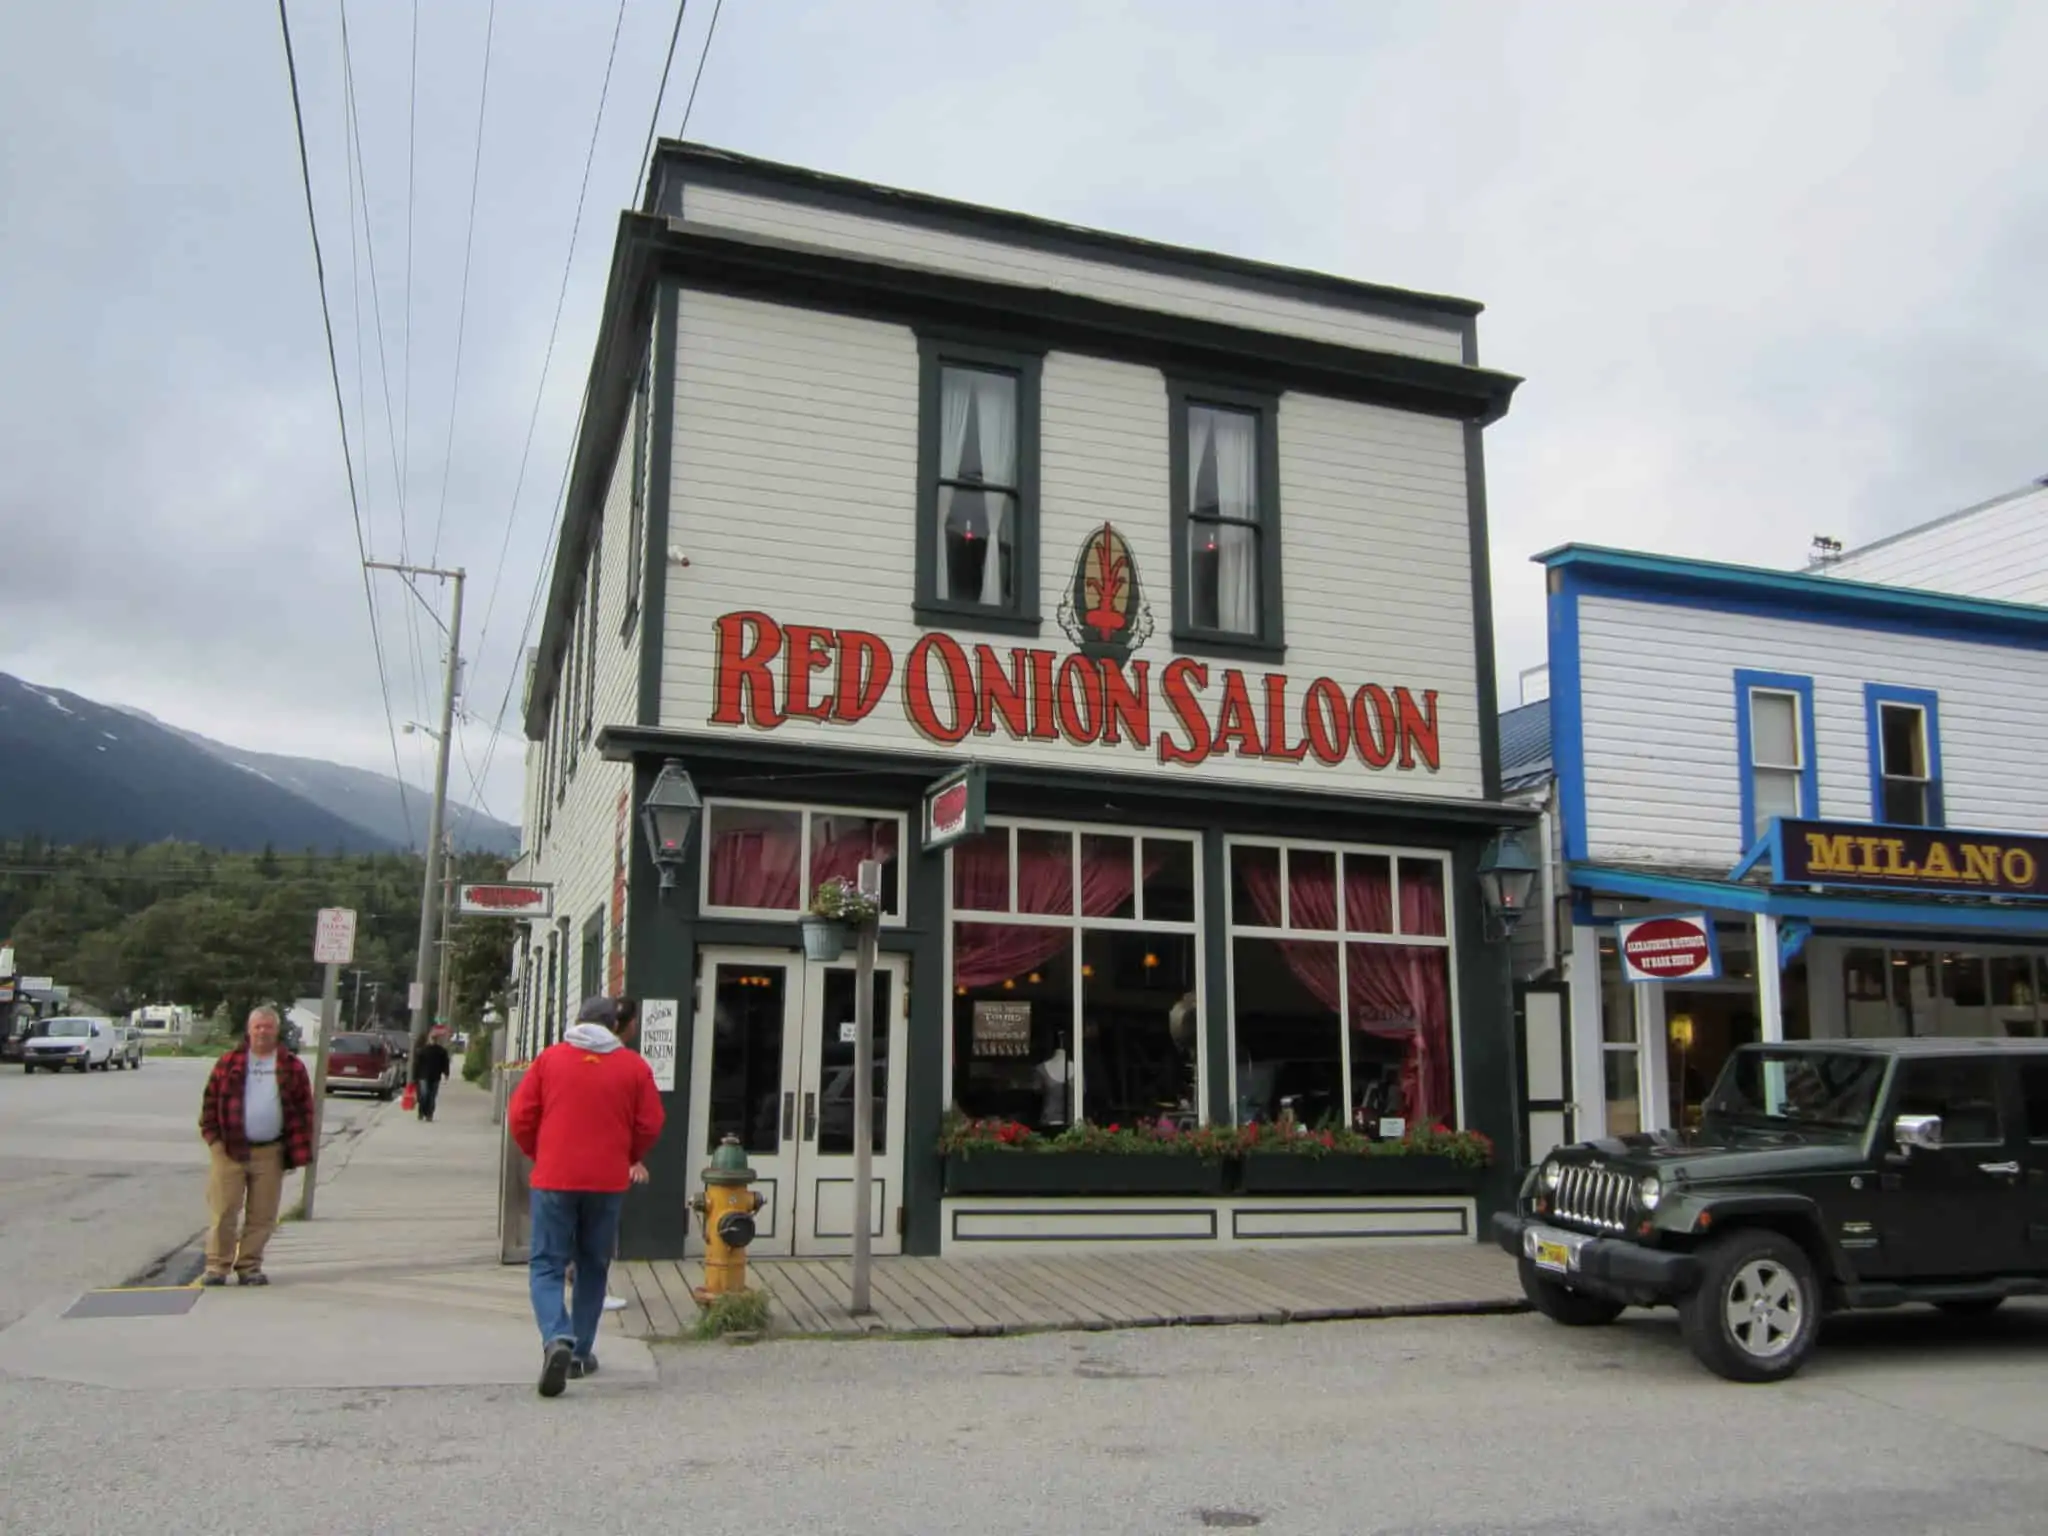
(1223,460)
(986,405)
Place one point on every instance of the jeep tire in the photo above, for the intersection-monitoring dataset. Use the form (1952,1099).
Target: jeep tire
(1561,1304)
(1757,1310)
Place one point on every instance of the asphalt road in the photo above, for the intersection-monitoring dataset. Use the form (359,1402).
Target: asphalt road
(1470,1427)
(101,1174)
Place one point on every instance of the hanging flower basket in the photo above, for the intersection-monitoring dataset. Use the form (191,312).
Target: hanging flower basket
(824,939)
(838,912)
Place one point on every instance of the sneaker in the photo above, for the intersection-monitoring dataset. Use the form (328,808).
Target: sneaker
(256,1277)
(554,1371)
(213,1279)
(580,1368)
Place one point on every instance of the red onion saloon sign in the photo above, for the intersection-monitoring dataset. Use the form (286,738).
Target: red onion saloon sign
(769,671)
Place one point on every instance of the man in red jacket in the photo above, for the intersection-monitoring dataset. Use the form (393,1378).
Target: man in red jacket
(587,1112)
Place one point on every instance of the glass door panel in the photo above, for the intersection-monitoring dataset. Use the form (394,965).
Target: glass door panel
(824,1204)
(743,1080)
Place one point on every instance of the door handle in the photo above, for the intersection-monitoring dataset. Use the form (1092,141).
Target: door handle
(788,1116)
(810,1116)
(2010,1170)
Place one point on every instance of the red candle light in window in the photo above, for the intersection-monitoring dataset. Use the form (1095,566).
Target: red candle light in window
(1034,978)
(1010,984)
(1087,970)
(1151,960)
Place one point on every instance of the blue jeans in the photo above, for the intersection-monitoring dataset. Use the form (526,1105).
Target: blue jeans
(571,1227)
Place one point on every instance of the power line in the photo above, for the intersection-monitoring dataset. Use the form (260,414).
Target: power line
(709,33)
(334,374)
(412,115)
(654,117)
(462,309)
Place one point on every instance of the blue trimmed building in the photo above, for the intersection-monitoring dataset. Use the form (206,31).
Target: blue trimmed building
(1847,782)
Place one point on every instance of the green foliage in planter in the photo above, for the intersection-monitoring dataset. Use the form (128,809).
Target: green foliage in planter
(961,1136)
(1467,1149)
(839,900)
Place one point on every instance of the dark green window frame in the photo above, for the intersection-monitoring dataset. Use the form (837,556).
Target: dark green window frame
(1021,615)
(1270,643)
(636,516)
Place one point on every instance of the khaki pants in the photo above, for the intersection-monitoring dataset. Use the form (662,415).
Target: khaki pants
(242,1200)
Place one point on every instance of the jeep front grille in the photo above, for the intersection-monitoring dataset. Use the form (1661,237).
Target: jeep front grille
(1593,1197)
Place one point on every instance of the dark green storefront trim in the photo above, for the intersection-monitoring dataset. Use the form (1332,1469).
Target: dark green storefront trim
(666,933)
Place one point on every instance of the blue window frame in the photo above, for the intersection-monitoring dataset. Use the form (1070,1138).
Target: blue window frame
(1774,742)
(1905,755)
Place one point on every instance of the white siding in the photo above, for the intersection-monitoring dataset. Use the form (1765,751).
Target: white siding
(795,493)
(1999,551)
(576,853)
(1107,280)
(1657,697)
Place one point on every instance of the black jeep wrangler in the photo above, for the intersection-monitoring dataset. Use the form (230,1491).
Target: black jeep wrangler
(1822,1177)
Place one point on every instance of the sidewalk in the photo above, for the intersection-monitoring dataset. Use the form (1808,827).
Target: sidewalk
(396,1282)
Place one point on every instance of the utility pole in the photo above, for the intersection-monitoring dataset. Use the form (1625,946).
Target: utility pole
(357,1015)
(423,972)
(444,1010)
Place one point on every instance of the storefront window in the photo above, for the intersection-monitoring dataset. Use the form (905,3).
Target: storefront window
(1076,987)
(765,860)
(1341,987)
(2012,1003)
(1957,994)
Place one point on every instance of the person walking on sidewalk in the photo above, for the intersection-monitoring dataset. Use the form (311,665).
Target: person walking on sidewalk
(433,1067)
(256,1118)
(587,1112)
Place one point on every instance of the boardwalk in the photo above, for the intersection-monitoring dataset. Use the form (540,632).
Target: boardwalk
(981,1296)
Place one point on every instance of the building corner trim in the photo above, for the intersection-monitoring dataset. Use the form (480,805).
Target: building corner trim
(660,456)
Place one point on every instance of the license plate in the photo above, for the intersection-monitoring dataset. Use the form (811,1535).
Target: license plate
(1555,1256)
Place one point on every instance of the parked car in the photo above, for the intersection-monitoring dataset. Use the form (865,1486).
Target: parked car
(128,1047)
(362,1063)
(78,1042)
(1822,1178)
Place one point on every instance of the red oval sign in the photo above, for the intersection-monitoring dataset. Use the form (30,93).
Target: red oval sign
(1666,947)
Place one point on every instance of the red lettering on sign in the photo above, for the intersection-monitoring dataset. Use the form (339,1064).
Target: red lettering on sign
(1080,701)
(1276,722)
(1041,696)
(1002,693)
(865,666)
(959,680)
(1179,682)
(810,650)
(1370,708)
(1418,728)
(1130,702)
(1328,719)
(1235,720)
(748,644)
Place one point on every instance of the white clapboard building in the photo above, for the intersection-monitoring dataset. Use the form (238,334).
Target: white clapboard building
(1824,794)
(1180,558)
(1996,549)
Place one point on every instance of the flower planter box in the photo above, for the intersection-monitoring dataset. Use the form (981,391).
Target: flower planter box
(1290,1173)
(824,939)
(1056,1174)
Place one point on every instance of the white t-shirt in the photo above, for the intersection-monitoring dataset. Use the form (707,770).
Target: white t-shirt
(262,1109)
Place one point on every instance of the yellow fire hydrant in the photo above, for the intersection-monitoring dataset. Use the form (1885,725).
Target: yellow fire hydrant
(727,1207)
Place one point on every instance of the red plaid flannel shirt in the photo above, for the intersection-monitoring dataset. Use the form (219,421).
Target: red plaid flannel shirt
(220,1110)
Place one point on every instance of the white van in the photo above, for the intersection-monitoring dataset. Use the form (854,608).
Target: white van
(81,1043)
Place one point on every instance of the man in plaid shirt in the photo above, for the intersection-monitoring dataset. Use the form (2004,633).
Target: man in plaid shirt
(257,1120)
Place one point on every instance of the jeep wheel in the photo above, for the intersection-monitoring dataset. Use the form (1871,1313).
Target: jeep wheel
(1976,1306)
(1574,1309)
(1757,1309)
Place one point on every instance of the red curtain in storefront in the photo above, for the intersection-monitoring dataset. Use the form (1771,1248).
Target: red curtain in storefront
(1397,991)
(991,951)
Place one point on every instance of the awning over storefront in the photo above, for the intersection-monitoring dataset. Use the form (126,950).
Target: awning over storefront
(2028,919)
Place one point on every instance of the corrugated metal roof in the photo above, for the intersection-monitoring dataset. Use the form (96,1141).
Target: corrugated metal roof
(1525,746)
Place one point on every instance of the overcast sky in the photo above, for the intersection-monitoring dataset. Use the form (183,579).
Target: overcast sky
(1770,270)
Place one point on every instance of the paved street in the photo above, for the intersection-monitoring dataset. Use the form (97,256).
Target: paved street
(101,1174)
(1478,1426)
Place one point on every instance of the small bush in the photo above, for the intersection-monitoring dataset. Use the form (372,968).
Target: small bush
(476,1061)
(734,1312)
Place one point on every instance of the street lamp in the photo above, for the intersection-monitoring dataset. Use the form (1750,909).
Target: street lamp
(669,816)
(1506,875)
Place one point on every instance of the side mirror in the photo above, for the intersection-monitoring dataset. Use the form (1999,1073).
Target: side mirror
(1921,1131)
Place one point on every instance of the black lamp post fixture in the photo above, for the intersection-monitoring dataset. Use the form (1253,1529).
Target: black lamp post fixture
(1506,875)
(669,816)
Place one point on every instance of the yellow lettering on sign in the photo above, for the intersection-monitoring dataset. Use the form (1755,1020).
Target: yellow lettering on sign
(2018,867)
(1830,855)
(1869,864)
(1980,863)
(1894,847)
(1938,865)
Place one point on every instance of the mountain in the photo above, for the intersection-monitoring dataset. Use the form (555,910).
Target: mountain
(74,771)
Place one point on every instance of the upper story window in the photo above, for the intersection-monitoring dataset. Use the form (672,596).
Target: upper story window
(1774,728)
(1226,522)
(1905,755)
(977,539)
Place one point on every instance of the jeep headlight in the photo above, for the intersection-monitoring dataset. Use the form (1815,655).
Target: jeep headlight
(1553,1171)
(1649,1192)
